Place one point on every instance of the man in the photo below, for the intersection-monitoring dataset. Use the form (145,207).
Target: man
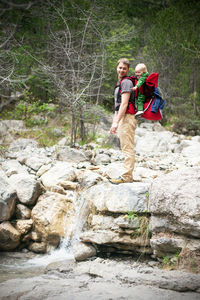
(124,120)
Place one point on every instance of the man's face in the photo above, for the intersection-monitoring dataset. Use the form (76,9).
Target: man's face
(122,70)
(138,73)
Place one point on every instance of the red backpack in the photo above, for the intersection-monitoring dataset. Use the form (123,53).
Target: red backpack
(147,89)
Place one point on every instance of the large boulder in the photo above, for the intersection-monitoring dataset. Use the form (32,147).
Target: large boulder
(121,198)
(174,203)
(117,220)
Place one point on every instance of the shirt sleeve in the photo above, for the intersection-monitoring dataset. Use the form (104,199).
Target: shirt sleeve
(126,86)
(142,79)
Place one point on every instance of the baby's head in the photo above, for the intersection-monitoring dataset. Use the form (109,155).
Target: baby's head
(139,69)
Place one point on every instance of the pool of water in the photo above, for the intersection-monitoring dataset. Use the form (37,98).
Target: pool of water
(23,265)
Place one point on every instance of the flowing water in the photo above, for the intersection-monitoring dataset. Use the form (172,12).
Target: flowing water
(23,265)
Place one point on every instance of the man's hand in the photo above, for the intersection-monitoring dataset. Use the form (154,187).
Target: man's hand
(134,88)
(113,129)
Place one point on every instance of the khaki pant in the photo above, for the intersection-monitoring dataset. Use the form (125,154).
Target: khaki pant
(126,133)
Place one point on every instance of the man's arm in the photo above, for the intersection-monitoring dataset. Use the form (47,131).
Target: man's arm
(119,115)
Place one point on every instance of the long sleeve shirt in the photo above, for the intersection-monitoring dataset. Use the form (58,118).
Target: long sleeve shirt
(142,79)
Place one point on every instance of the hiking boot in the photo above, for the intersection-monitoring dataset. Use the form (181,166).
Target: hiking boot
(139,113)
(119,180)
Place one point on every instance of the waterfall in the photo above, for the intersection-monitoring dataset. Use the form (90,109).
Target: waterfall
(65,249)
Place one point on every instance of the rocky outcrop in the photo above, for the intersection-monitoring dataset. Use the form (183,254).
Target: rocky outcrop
(48,194)
(174,204)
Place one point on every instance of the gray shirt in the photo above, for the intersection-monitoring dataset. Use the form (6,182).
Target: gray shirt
(126,86)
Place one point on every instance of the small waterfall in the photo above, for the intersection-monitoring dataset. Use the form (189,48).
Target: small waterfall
(65,249)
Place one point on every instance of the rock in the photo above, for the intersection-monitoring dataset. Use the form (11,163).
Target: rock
(101,159)
(27,187)
(68,185)
(35,162)
(111,141)
(118,240)
(88,178)
(101,222)
(43,169)
(13,124)
(82,251)
(3,130)
(37,247)
(71,155)
(62,171)
(175,198)
(107,197)
(9,237)
(156,142)
(174,202)
(21,144)
(23,226)
(11,167)
(53,216)
(22,212)
(35,236)
(8,198)
(125,222)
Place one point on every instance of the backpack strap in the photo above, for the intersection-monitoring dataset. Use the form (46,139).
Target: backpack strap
(132,99)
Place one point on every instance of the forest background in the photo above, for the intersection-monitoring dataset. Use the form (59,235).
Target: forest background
(58,58)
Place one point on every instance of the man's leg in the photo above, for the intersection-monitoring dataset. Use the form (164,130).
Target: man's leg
(126,133)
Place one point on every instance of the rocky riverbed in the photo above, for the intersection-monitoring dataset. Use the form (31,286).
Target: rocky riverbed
(51,195)
(99,278)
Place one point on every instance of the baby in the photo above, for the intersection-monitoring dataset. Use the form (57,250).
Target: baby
(141,74)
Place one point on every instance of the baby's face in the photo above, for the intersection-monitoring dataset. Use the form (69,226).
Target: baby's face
(138,73)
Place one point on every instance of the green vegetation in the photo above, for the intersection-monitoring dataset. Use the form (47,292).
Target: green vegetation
(65,53)
(143,228)
(171,262)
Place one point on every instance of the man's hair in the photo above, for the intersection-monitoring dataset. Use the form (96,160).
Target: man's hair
(125,61)
(141,67)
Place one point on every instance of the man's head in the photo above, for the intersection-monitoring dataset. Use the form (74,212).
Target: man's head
(122,67)
(139,69)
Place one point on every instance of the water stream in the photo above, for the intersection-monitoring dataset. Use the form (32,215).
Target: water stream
(28,264)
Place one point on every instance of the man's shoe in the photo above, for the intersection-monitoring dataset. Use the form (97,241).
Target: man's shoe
(139,113)
(119,180)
